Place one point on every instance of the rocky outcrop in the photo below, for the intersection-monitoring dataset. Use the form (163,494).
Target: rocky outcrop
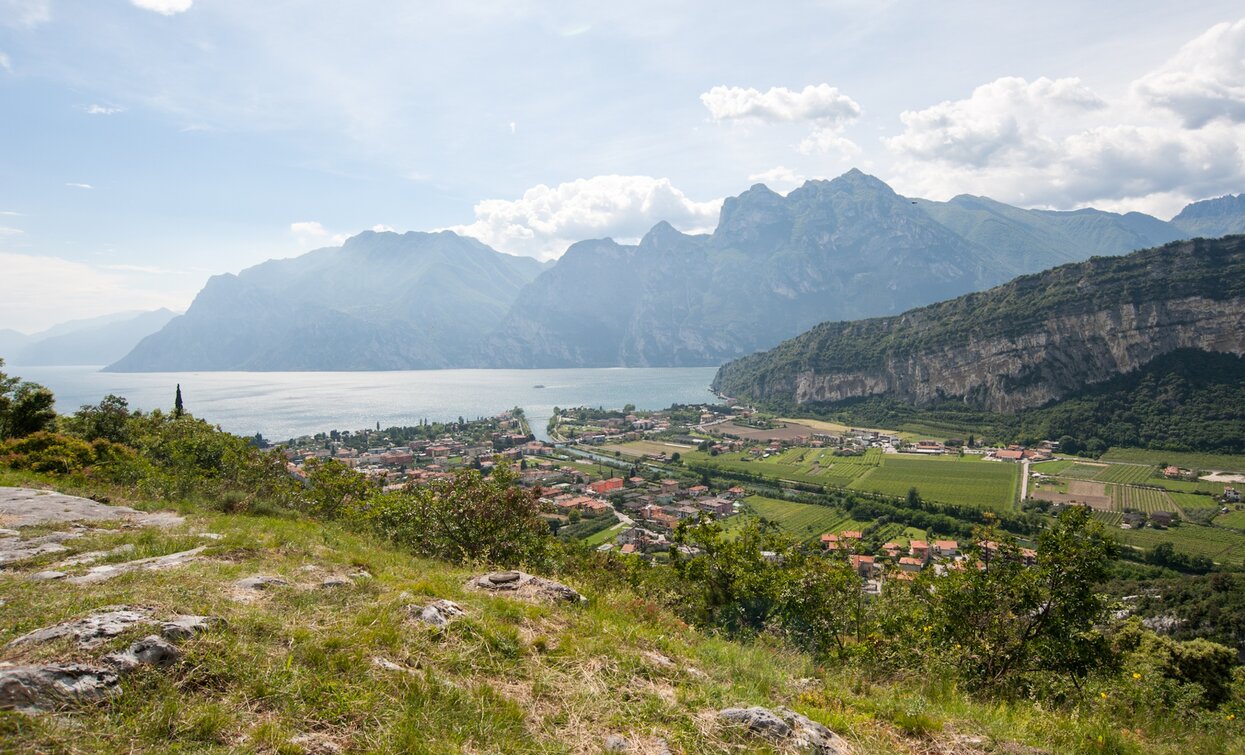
(1021,345)
(786,728)
(36,689)
(526,586)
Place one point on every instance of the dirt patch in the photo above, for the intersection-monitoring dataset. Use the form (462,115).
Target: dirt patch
(782,431)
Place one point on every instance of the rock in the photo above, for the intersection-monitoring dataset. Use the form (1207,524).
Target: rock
(186,626)
(47,576)
(211,536)
(316,744)
(437,614)
(389,665)
(14,549)
(786,728)
(24,507)
(617,743)
(83,559)
(523,585)
(35,689)
(336,581)
(361,574)
(149,651)
(155,563)
(91,630)
(260,583)
(658,659)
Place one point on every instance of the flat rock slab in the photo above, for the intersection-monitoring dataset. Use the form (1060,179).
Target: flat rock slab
(13,548)
(91,630)
(26,507)
(186,626)
(149,651)
(155,563)
(786,728)
(438,613)
(36,689)
(525,586)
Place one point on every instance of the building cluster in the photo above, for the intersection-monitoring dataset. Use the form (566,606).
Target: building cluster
(903,562)
(653,509)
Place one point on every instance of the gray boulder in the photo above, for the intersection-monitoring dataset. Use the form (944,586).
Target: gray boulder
(438,614)
(186,626)
(149,651)
(786,728)
(36,689)
(91,630)
(523,585)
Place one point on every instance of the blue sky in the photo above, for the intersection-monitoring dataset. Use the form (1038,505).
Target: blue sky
(148,144)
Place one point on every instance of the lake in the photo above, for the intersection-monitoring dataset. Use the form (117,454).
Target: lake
(283,405)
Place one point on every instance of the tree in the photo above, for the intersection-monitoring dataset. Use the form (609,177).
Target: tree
(25,407)
(998,619)
(107,419)
(178,407)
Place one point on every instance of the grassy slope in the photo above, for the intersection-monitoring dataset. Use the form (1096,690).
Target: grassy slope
(510,677)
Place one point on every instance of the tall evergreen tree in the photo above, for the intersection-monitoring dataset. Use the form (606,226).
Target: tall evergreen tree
(178,407)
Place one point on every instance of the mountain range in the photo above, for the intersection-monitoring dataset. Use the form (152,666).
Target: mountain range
(1025,344)
(97,340)
(775,266)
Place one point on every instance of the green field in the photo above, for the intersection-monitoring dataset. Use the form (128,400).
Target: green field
(1147,500)
(1193,500)
(1052,467)
(1234,519)
(1189,486)
(645,447)
(1222,462)
(1218,543)
(604,536)
(1081,471)
(803,520)
(967,481)
(1125,474)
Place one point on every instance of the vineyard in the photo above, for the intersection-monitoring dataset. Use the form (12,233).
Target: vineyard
(970,483)
(1125,474)
(1146,500)
(802,520)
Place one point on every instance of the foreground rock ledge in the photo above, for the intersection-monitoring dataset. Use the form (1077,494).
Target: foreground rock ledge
(37,689)
(525,586)
(786,728)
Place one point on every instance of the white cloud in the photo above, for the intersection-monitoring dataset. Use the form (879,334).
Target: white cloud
(1171,137)
(310,233)
(827,141)
(382,228)
(7,231)
(27,13)
(10,213)
(96,109)
(37,292)
(545,220)
(780,178)
(165,7)
(5,63)
(79,185)
(1006,114)
(819,103)
(1205,80)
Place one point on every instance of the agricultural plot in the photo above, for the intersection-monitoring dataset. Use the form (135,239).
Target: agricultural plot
(1217,543)
(646,447)
(802,520)
(1223,462)
(1189,486)
(1193,500)
(1233,519)
(1109,518)
(1052,467)
(1147,500)
(1125,474)
(1082,471)
(970,483)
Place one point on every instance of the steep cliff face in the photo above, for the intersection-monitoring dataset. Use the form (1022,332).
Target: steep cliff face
(1024,344)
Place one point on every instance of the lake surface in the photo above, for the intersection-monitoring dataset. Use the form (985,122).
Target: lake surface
(283,405)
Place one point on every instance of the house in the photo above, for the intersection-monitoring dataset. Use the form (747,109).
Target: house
(685,512)
(1008,454)
(717,506)
(697,490)
(919,549)
(601,487)
(628,548)
(910,564)
(1134,519)
(669,486)
(735,493)
(892,549)
(1162,518)
(863,565)
(1231,495)
(946,548)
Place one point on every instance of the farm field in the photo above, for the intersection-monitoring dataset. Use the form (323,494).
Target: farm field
(1147,500)
(1083,471)
(1234,519)
(644,447)
(1189,486)
(812,466)
(1193,500)
(604,536)
(1109,518)
(988,485)
(1053,467)
(1218,543)
(1229,463)
(1125,473)
(803,520)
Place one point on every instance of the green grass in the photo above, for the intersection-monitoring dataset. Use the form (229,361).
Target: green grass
(1052,467)
(1126,473)
(1220,544)
(604,536)
(969,482)
(1082,471)
(1233,519)
(802,520)
(1187,460)
(1142,499)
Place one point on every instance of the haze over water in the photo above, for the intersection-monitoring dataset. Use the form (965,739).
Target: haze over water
(282,405)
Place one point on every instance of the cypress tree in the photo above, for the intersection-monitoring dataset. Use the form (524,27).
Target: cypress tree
(178,407)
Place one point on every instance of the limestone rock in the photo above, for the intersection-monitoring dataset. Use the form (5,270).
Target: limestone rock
(617,743)
(336,581)
(526,586)
(24,507)
(316,744)
(786,728)
(155,563)
(149,651)
(47,576)
(185,626)
(85,559)
(91,630)
(438,613)
(35,689)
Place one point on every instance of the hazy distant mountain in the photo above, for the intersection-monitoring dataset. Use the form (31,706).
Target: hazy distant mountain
(379,301)
(10,342)
(775,266)
(97,341)
(1213,217)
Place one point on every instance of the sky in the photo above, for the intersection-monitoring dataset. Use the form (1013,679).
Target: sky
(146,145)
